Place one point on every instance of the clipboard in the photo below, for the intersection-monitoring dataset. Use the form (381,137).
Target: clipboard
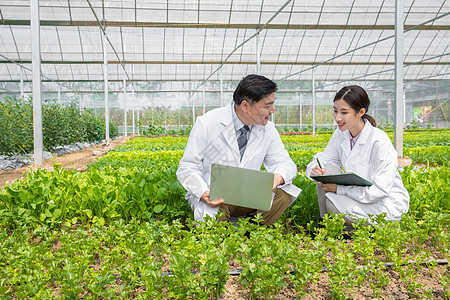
(343,179)
(241,186)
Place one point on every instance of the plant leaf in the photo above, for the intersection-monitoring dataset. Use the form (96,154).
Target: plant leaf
(159,208)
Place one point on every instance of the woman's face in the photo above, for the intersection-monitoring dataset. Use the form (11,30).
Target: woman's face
(347,118)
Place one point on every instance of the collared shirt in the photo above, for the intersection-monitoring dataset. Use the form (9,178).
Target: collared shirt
(238,124)
(353,140)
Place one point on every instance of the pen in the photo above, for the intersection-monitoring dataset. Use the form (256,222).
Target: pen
(320,166)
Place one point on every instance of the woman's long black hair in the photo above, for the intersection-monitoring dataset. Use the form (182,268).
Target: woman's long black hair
(357,98)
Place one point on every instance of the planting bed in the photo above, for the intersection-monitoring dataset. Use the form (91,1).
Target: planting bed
(72,161)
(122,229)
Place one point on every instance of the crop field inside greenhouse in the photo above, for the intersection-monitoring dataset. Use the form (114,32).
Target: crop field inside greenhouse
(114,113)
(123,230)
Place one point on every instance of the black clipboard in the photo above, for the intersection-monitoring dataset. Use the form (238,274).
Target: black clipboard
(343,179)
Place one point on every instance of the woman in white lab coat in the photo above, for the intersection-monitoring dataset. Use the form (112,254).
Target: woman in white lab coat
(358,146)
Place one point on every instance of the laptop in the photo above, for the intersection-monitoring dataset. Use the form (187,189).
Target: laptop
(242,187)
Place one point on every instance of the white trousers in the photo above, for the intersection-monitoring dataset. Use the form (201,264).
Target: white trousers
(326,205)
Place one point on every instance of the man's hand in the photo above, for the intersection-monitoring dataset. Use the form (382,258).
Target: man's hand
(277,180)
(328,187)
(214,203)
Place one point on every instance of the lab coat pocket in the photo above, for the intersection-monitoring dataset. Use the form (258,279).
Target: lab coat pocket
(363,170)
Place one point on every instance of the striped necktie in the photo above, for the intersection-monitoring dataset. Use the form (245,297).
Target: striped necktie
(242,139)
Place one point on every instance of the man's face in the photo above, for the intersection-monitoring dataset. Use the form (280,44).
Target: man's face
(259,113)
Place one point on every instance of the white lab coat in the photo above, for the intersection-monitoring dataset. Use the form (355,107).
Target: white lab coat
(213,140)
(373,157)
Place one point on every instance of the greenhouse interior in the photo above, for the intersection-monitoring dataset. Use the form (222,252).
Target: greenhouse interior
(98,105)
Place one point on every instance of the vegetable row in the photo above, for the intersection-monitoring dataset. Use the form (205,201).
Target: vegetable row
(143,185)
(62,124)
(158,260)
(422,147)
(124,230)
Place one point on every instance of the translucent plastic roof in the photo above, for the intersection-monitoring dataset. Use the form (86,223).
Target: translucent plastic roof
(198,40)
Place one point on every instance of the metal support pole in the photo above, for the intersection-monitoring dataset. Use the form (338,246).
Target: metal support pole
(436,118)
(36,63)
(287,115)
(423,112)
(258,55)
(193,109)
(138,122)
(375,112)
(404,106)
(59,95)
(21,83)
(138,112)
(221,87)
(203,101)
(398,136)
(105,77)
(300,111)
(313,103)
(134,124)
(125,123)
(389,103)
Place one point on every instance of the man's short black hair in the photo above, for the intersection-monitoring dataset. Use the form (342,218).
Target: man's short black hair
(253,88)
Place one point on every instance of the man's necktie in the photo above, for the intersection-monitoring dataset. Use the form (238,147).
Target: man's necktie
(242,139)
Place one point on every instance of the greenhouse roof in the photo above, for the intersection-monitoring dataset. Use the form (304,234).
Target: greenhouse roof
(205,40)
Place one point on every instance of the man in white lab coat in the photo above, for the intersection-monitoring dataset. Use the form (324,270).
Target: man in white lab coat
(216,138)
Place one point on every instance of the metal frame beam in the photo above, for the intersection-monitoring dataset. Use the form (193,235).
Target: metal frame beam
(153,62)
(221,25)
(366,45)
(335,81)
(247,40)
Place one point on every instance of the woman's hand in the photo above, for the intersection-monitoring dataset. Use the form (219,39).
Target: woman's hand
(214,203)
(317,171)
(329,187)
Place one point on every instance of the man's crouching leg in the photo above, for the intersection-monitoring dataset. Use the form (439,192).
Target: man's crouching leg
(280,203)
(227,211)
(233,211)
